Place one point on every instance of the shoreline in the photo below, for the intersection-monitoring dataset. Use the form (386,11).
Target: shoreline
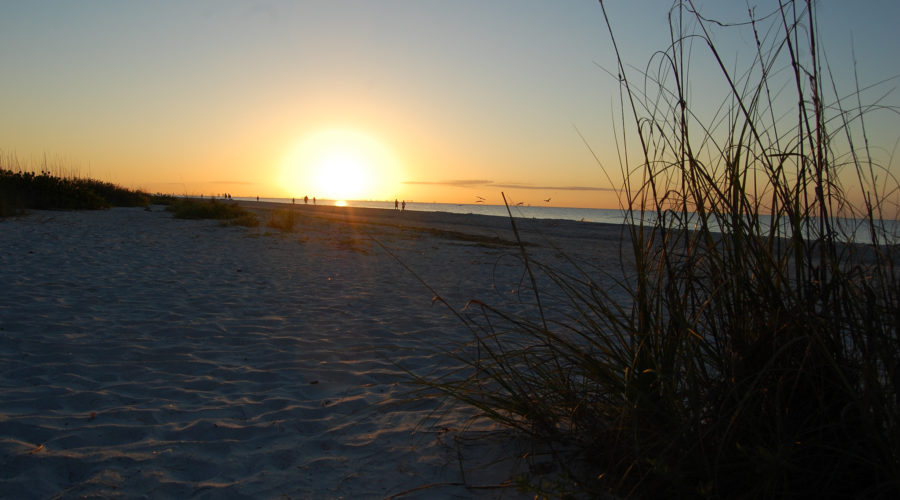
(531,229)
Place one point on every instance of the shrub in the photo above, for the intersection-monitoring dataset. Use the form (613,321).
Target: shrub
(283,219)
(191,208)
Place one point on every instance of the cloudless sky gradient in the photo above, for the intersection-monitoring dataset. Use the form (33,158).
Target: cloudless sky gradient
(441,101)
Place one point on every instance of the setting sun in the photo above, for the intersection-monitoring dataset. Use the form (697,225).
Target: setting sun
(340,165)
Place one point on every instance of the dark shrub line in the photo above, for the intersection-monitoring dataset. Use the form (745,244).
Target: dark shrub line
(20,191)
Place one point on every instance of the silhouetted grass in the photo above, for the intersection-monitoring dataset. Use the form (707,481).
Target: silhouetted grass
(20,190)
(163,199)
(758,352)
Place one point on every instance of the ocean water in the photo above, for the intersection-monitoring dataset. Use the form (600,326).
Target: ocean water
(857,230)
(565,213)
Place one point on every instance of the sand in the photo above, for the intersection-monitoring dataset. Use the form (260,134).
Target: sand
(143,356)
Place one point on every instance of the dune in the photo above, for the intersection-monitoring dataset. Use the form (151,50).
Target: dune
(146,356)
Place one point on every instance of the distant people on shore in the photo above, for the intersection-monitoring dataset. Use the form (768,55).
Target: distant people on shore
(396,204)
(306,200)
(403,206)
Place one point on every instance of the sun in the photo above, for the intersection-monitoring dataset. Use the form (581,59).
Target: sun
(340,165)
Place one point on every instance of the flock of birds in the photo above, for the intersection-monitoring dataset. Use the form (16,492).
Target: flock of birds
(479,199)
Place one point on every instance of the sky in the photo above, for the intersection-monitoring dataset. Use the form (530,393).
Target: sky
(430,101)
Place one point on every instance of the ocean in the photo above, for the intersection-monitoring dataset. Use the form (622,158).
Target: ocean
(855,227)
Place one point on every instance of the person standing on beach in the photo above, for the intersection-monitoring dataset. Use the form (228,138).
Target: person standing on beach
(306,200)
(403,206)
(396,204)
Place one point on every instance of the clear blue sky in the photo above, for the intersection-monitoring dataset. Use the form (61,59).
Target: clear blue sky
(428,100)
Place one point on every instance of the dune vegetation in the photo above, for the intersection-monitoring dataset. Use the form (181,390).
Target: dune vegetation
(231,214)
(21,190)
(283,219)
(51,189)
(758,353)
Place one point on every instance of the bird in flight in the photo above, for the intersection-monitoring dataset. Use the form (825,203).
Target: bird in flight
(547,200)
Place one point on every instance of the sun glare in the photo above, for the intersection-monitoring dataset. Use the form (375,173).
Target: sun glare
(340,165)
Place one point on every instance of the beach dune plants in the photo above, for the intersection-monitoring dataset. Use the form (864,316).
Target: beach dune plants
(21,190)
(758,353)
(283,219)
(228,212)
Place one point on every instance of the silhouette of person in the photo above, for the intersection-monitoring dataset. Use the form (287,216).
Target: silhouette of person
(306,200)
(314,200)
(396,204)
(403,205)
(257,197)
(293,201)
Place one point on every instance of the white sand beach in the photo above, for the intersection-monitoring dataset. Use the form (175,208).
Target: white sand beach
(143,356)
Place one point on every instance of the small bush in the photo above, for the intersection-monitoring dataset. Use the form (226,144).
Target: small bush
(246,220)
(283,219)
(191,208)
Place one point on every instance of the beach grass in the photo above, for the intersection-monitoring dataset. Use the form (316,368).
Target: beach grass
(229,213)
(52,189)
(758,352)
(284,219)
(22,190)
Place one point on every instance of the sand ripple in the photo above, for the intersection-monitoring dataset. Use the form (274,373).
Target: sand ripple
(142,356)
